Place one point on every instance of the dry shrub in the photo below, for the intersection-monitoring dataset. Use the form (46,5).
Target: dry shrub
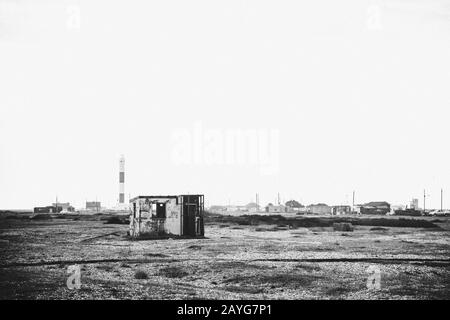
(343,226)
(173,272)
(140,274)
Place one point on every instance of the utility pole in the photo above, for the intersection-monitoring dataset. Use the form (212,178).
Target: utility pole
(442,193)
(424,196)
(353,202)
(257,202)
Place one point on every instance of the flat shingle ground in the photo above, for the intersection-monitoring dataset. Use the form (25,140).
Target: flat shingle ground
(234,261)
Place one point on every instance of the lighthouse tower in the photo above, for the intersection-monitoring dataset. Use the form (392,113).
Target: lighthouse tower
(122,180)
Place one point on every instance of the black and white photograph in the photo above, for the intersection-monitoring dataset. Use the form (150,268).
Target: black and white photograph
(211,150)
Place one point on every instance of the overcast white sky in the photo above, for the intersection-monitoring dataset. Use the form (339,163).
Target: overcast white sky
(358,91)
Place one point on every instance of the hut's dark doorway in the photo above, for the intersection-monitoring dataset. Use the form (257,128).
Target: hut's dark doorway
(189,211)
(161,210)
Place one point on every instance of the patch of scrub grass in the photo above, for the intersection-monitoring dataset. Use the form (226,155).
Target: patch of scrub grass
(378,229)
(173,272)
(413,284)
(338,290)
(321,222)
(116,220)
(105,267)
(156,255)
(293,280)
(265,229)
(308,267)
(140,274)
(235,265)
(244,289)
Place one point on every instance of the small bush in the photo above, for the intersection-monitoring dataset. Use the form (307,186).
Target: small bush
(117,220)
(337,290)
(343,226)
(156,255)
(13,217)
(308,267)
(244,289)
(140,274)
(105,267)
(173,272)
(378,229)
(41,216)
(266,229)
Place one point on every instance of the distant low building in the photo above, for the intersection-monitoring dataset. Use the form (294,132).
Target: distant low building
(47,209)
(55,208)
(398,207)
(375,207)
(338,210)
(217,208)
(407,212)
(304,210)
(252,207)
(66,207)
(231,208)
(414,204)
(294,206)
(93,205)
(320,208)
(271,208)
(292,210)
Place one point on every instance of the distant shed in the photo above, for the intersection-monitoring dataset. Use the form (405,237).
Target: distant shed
(320,208)
(341,209)
(375,207)
(47,209)
(271,208)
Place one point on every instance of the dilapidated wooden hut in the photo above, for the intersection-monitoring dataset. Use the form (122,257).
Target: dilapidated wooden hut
(178,215)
